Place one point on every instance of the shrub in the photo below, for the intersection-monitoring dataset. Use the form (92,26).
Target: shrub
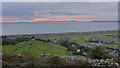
(70,48)
(99,53)
(77,64)
(82,64)
(35,63)
(6,64)
(118,60)
(55,61)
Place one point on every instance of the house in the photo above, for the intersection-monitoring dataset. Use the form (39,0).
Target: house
(95,40)
(33,39)
(78,50)
(95,44)
(112,50)
(83,44)
(90,46)
(12,38)
(99,41)
(73,45)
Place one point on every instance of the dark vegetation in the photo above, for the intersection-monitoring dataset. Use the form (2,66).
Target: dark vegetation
(30,61)
(99,53)
(14,40)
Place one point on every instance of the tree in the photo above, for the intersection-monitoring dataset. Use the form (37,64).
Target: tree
(99,53)
(64,43)
(70,48)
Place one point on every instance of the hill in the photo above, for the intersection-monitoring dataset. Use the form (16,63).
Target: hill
(36,48)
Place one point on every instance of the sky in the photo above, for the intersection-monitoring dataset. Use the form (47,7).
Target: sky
(60,0)
(58,11)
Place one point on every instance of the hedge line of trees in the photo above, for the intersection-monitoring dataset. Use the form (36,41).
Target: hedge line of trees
(8,40)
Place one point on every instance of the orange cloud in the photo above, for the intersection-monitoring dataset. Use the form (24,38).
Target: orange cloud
(39,19)
(43,19)
(34,20)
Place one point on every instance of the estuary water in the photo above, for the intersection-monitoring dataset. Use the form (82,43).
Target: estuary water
(56,27)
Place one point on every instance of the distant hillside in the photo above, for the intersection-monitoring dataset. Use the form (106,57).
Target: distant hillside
(105,21)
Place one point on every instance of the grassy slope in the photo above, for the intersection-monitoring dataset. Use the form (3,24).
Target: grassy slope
(37,48)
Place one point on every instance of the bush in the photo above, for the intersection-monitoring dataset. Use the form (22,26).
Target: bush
(82,64)
(6,64)
(35,63)
(70,48)
(118,60)
(27,57)
(78,64)
(55,61)
(99,53)
(27,61)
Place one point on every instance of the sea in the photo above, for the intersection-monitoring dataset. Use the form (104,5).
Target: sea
(55,27)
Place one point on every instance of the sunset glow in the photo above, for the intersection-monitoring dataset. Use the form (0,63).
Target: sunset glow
(41,19)
(34,20)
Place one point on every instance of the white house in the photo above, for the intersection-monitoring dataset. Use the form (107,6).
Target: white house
(78,50)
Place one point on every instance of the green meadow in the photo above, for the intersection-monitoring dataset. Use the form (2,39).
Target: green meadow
(36,48)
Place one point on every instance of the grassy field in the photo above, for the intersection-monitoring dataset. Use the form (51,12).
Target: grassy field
(78,37)
(38,47)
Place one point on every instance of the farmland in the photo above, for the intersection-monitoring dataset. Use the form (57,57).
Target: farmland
(78,44)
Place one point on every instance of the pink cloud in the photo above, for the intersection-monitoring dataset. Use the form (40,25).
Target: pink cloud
(75,16)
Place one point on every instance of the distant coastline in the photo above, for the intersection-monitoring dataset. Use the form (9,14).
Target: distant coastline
(105,21)
(63,32)
(59,21)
